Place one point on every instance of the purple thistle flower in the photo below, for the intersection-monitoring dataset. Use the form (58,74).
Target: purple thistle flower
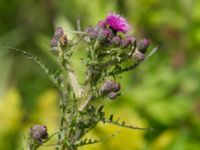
(117,23)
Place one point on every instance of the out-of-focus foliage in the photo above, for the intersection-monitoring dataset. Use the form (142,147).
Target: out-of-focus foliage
(163,93)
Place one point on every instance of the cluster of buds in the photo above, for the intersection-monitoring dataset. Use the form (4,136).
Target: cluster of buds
(108,31)
(59,39)
(139,54)
(38,133)
(112,32)
(111,89)
(98,33)
(111,47)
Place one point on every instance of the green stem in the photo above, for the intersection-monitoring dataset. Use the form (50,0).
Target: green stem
(63,121)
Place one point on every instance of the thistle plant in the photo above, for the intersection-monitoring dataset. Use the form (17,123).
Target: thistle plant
(110,51)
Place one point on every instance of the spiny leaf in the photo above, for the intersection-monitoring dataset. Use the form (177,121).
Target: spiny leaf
(100,114)
(111,117)
(132,67)
(88,141)
(116,72)
(100,108)
(122,124)
(94,141)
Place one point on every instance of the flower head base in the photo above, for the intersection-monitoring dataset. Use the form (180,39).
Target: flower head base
(117,23)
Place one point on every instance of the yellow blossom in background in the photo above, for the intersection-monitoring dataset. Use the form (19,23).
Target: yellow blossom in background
(10,116)
(10,112)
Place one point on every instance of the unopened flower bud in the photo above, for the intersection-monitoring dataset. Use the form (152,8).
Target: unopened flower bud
(92,33)
(138,56)
(112,95)
(104,34)
(116,40)
(142,45)
(102,24)
(54,42)
(110,86)
(127,40)
(58,32)
(39,132)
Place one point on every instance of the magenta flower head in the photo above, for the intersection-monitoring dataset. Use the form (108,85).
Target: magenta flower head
(117,23)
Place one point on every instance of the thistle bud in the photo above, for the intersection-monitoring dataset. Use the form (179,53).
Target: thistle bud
(54,42)
(112,95)
(102,24)
(116,40)
(110,86)
(138,56)
(104,34)
(58,33)
(92,33)
(127,40)
(39,132)
(142,45)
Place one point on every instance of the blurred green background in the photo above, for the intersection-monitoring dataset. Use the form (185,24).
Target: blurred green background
(163,93)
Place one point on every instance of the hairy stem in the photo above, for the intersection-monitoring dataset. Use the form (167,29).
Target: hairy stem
(63,121)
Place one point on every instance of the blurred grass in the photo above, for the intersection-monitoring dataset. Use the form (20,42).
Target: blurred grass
(163,93)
